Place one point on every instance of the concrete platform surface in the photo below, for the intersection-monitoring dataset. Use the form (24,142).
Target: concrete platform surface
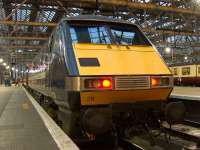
(190,93)
(21,126)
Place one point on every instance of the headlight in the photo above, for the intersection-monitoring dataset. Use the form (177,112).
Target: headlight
(161,81)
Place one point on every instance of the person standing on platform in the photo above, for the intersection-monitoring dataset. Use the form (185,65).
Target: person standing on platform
(17,82)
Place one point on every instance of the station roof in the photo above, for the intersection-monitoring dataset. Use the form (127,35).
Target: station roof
(25,25)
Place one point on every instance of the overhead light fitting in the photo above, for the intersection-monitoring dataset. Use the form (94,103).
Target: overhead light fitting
(185,57)
(168,50)
(20,51)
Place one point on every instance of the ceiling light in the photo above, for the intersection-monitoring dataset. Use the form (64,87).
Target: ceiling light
(19,51)
(1,60)
(4,64)
(167,50)
(7,67)
(185,57)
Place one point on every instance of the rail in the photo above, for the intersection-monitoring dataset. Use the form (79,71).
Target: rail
(186,131)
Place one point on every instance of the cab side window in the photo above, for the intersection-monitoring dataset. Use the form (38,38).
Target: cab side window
(58,70)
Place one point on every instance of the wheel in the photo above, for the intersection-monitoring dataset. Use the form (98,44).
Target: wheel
(109,139)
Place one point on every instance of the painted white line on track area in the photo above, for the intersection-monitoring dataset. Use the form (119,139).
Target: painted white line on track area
(62,140)
(185,97)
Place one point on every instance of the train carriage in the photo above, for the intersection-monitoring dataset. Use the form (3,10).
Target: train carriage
(186,73)
(96,70)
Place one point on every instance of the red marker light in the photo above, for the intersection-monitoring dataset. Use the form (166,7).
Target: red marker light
(98,83)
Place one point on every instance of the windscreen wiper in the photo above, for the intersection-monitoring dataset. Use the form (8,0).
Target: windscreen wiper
(118,38)
(103,37)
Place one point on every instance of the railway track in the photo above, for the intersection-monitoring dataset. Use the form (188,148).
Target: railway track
(126,144)
(188,130)
(192,123)
(180,136)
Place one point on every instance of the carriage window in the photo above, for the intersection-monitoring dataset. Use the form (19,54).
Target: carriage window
(186,71)
(93,34)
(175,71)
(198,70)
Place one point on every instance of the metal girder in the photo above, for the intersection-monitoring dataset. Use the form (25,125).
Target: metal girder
(19,54)
(33,14)
(117,3)
(26,23)
(164,31)
(24,38)
(7,11)
(171,44)
(12,12)
(21,33)
(168,31)
(23,46)
(145,6)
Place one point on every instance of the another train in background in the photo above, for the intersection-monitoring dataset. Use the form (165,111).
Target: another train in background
(187,74)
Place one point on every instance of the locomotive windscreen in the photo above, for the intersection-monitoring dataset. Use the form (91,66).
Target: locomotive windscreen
(122,34)
(90,34)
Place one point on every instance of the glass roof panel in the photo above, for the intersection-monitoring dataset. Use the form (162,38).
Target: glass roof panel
(21,15)
(44,16)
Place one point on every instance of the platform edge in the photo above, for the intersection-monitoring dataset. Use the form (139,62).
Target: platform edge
(62,140)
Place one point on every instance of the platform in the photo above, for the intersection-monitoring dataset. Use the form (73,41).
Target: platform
(186,93)
(25,126)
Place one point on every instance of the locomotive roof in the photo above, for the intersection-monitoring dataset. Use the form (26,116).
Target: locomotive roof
(96,18)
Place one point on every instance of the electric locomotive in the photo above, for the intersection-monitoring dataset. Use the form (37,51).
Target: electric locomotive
(101,75)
